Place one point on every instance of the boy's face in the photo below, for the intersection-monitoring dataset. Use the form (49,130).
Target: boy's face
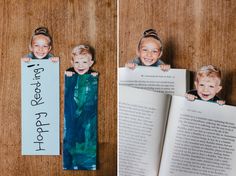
(207,87)
(149,51)
(82,64)
(40,46)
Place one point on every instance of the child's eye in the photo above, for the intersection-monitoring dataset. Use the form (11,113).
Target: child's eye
(201,85)
(85,62)
(155,51)
(76,62)
(211,86)
(144,49)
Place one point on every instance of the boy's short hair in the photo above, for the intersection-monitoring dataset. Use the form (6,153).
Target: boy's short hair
(83,50)
(150,33)
(208,71)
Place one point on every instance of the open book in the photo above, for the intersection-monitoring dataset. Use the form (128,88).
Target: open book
(164,135)
(173,82)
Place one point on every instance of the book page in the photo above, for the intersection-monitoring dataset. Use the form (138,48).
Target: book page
(173,82)
(200,139)
(142,119)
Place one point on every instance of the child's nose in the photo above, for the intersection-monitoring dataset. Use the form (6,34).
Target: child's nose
(205,88)
(40,48)
(149,53)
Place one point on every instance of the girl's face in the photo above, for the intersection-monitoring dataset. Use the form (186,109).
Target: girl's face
(207,87)
(149,51)
(40,46)
(82,63)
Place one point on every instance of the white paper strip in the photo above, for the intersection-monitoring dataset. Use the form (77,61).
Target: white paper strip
(40,107)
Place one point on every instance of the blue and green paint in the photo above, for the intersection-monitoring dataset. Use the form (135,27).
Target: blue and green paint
(80,122)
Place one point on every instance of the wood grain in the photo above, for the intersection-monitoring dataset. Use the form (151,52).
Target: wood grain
(70,22)
(194,33)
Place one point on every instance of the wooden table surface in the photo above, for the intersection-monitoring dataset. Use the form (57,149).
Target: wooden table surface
(194,33)
(70,23)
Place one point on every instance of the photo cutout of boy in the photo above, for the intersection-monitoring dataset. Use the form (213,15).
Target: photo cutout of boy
(208,84)
(80,111)
(82,61)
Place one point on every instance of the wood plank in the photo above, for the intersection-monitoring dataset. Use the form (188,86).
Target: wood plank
(70,23)
(194,33)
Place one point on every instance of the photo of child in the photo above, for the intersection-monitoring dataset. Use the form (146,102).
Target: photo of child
(82,61)
(208,84)
(40,46)
(80,111)
(149,51)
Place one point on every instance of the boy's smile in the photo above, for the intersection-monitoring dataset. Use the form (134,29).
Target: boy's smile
(82,64)
(207,87)
(149,51)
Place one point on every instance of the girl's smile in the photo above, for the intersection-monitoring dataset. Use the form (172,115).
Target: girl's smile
(40,46)
(149,51)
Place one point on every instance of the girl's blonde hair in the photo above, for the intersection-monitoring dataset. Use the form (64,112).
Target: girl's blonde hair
(150,33)
(42,31)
